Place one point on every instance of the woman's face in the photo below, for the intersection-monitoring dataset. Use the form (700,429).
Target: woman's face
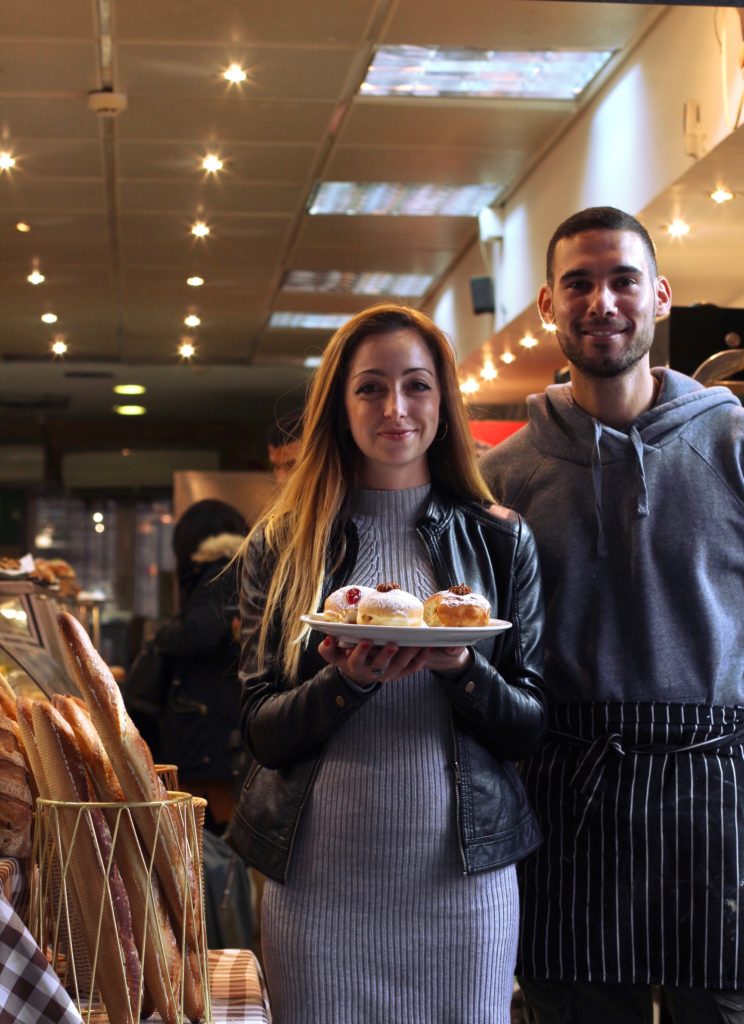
(392,400)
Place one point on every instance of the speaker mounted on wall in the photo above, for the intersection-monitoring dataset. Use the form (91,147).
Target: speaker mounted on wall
(482,295)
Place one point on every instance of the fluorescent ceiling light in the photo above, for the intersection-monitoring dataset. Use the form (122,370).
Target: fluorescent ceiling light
(309,321)
(394,199)
(528,74)
(337,282)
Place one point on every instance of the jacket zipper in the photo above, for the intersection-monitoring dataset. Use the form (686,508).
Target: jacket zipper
(458,803)
(305,795)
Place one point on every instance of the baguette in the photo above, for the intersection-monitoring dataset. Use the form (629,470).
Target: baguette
(106,923)
(156,941)
(135,770)
(7,698)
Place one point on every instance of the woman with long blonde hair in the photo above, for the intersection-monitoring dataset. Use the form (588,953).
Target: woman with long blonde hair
(383,805)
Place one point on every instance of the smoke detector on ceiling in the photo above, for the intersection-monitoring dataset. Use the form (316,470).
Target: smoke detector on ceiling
(106,102)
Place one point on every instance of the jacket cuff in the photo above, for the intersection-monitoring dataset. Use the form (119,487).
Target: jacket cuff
(349,694)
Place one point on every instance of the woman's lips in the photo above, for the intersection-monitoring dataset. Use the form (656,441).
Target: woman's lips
(396,435)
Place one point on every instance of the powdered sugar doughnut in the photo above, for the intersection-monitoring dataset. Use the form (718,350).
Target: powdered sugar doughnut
(458,606)
(388,605)
(342,604)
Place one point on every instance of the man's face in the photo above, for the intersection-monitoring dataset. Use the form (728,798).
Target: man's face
(283,460)
(604,301)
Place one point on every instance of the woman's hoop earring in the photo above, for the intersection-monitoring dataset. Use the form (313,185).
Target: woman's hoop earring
(442,433)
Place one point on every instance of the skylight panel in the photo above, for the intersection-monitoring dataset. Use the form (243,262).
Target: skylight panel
(336,282)
(309,321)
(529,74)
(393,199)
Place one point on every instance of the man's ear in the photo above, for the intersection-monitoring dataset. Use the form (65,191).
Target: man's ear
(663,292)
(545,304)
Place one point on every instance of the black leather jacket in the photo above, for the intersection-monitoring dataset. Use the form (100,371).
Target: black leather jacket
(497,704)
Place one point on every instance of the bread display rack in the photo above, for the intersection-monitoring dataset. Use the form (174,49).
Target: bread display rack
(99,909)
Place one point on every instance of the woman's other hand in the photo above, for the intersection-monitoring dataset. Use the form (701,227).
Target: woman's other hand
(366,665)
(446,660)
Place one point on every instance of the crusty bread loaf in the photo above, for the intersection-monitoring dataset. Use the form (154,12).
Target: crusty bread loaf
(7,698)
(16,802)
(135,770)
(107,923)
(153,932)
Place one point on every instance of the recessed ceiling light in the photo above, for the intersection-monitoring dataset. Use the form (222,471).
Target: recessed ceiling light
(489,371)
(192,320)
(507,357)
(23,227)
(130,410)
(469,386)
(337,282)
(58,347)
(397,199)
(199,229)
(721,195)
(446,71)
(7,161)
(312,362)
(212,163)
(99,527)
(97,517)
(678,228)
(35,277)
(309,321)
(49,318)
(234,74)
(549,327)
(129,389)
(528,341)
(186,349)
(195,282)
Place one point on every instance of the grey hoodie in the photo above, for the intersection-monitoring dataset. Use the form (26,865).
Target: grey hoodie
(640,541)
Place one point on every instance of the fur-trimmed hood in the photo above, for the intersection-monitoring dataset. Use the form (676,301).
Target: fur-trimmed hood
(223,545)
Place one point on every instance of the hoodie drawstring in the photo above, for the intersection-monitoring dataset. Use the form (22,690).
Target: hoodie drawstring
(636,441)
(642,504)
(601,548)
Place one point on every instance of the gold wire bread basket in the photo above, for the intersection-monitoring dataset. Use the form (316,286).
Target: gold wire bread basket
(117,904)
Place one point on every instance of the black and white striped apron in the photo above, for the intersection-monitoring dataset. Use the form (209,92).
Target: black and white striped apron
(640,876)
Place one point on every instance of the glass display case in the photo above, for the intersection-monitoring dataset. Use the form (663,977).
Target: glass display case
(31,655)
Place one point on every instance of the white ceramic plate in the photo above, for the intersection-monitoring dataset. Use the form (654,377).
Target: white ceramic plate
(407,636)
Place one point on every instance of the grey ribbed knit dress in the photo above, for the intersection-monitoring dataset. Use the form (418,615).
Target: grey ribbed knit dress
(377,924)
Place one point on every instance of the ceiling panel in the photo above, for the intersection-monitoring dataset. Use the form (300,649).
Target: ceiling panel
(511,126)
(47,117)
(189,71)
(396,232)
(244,25)
(26,196)
(353,255)
(185,197)
(233,119)
(516,25)
(235,240)
(443,165)
(266,161)
(56,158)
(47,19)
(62,237)
(35,67)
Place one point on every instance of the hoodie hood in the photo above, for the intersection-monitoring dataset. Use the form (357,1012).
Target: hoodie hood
(222,546)
(560,428)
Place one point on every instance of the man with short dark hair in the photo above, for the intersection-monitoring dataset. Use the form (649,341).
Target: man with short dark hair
(284,445)
(632,481)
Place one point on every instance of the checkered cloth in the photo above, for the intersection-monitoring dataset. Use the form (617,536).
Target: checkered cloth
(237,988)
(30,992)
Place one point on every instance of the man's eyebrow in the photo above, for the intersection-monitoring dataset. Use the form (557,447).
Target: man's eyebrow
(580,273)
